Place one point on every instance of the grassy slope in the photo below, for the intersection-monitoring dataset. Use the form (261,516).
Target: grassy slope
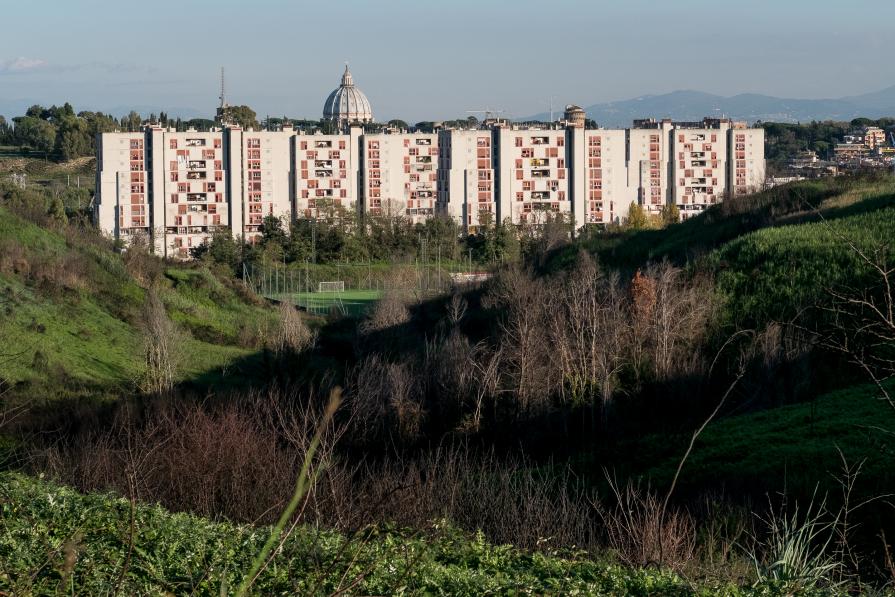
(87,330)
(42,526)
(42,171)
(775,272)
(695,238)
(795,447)
(770,261)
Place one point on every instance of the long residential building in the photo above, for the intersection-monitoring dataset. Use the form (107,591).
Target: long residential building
(178,188)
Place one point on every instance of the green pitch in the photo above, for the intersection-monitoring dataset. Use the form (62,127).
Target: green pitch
(354,302)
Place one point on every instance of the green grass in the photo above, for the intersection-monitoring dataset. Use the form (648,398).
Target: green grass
(774,273)
(795,447)
(83,330)
(695,238)
(54,540)
(352,302)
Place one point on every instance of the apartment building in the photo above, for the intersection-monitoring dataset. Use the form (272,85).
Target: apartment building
(327,168)
(699,166)
(466,177)
(188,170)
(745,162)
(122,189)
(400,175)
(598,175)
(178,188)
(532,174)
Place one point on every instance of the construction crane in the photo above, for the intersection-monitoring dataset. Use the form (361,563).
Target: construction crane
(488,112)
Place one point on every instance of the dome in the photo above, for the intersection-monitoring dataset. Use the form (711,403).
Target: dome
(347,104)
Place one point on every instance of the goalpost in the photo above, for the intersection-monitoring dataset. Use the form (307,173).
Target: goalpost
(338,286)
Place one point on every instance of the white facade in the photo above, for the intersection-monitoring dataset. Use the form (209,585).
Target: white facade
(177,188)
(326,169)
(533,174)
(122,199)
(746,164)
(466,177)
(648,166)
(400,174)
(599,176)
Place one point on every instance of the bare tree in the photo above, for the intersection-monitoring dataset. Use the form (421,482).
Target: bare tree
(456,308)
(484,377)
(160,346)
(678,319)
(523,299)
(293,335)
(390,311)
(589,333)
(384,400)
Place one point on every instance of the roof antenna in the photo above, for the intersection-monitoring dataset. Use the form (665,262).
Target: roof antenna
(223,101)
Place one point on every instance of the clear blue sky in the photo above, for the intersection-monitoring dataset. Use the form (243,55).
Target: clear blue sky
(426,59)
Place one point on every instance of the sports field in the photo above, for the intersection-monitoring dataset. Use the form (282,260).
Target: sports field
(349,302)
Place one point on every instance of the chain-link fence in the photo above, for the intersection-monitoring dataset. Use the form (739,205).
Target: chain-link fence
(364,283)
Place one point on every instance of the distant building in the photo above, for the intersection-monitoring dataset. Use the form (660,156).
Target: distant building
(804,159)
(850,151)
(575,116)
(178,188)
(874,137)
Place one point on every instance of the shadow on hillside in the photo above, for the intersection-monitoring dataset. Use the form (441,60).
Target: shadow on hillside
(695,237)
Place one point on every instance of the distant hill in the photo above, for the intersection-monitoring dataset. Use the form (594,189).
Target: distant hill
(694,105)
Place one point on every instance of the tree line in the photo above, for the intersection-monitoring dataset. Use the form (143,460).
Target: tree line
(344,238)
(58,133)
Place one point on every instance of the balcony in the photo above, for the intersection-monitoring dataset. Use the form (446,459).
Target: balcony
(195,142)
(540,173)
(540,140)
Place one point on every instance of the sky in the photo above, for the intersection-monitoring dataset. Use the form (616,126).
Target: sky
(431,60)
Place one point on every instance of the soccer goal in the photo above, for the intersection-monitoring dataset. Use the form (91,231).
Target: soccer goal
(331,286)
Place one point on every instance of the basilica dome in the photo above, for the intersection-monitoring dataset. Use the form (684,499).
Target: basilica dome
(347,104)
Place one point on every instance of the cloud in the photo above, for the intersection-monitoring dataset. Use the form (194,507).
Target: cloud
(21,64)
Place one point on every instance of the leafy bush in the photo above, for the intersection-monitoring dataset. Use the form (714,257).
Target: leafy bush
(55,540)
